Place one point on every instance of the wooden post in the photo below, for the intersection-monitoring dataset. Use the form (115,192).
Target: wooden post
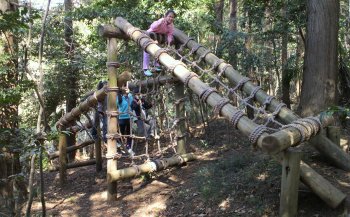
(112,121)
(333,133)
(62,148)
(180,116)
(290,184)
(98,151)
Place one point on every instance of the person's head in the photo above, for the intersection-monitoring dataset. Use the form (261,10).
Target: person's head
(136,92)
(170,16)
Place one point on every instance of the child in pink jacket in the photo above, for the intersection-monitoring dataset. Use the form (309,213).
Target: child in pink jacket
(165,26)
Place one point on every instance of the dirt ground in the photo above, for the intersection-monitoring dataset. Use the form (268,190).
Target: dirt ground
(229,178)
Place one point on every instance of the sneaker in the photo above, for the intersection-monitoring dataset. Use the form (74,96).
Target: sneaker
(147,72)
(158,69)
(131,152)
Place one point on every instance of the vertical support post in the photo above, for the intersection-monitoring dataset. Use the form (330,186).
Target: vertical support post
(112,121)
(290,183)
(333,133)
(98,151)
(180,116)
(62,148)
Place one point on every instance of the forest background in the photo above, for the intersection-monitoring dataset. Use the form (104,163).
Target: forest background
(52,56)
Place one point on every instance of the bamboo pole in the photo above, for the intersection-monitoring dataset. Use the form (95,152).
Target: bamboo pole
(320,142)
(83,107)
(112,121)
(98,141)
(180,116)
(245,125)
(152,166)
(71,148)
(151,83)
(110,31)
(144,86)
(62,148)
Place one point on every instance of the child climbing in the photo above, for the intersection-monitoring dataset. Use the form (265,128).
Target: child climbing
(124,101)
(162,26)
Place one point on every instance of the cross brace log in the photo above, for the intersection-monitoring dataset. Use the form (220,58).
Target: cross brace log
(151,166)
(320,142)
(72,148)
(320,186)
(151,83)
(91,101)
(143,84)
(76,164)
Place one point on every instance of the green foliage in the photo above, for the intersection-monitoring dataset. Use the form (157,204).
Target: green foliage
(341,113)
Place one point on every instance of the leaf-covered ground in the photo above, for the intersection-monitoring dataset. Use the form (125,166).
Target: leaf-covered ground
(229,178)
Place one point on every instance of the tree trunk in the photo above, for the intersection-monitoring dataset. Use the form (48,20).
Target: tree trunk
(233,30)
(9,73)
(219,13)
(284,56)
(72,72)
(319,88)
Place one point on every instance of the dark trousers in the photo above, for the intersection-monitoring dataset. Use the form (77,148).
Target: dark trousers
(124,126)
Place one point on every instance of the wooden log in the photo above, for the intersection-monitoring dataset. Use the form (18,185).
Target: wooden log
(77,128)
(285,138)
(338,157)
(144,85)
(71,116)
(156,165)
(290,184)
(71,148)
(150,83)
(320,186)
(75,165)
(62,148)
(110,31)
(333,133)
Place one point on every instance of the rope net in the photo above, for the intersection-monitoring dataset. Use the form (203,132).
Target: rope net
(246,104)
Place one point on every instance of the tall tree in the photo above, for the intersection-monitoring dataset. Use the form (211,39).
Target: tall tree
(284,56)
(8,67)
(319,88)
(233,31)
(72,71)
(219,14)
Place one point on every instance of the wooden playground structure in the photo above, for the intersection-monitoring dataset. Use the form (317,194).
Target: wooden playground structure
(291,130)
